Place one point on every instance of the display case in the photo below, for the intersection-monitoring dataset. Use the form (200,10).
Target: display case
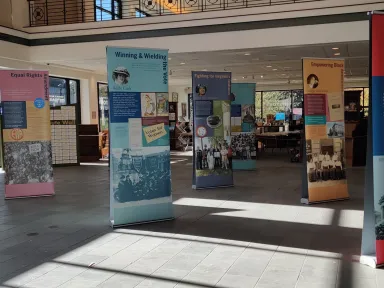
(89,143)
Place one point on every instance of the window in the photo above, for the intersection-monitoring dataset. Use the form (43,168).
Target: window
(258,102)
(102,91)
(73,92)
(139,14)
(57,91)
(108,10)
(285,102)
(366,101)
(277,104)
(297,104)
(63,91)
(364,98)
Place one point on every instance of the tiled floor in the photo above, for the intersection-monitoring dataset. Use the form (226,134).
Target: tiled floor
(253,235)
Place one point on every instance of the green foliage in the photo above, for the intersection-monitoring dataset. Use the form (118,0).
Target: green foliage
(297,98)
(103,90)
(277,101)
(217,171)
(381,201)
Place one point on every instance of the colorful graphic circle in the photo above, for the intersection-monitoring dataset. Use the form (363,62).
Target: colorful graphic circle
(39,103)
(17,134)
(201,131)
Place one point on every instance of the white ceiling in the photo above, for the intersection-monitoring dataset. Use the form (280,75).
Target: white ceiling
(272,66)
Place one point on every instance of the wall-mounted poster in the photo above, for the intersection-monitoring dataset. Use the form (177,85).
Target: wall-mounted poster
(64,135)
(324,130)
(140,188)
(26,133)
(373,231)
(183,110)
(212,130)
(243,142)
(172,111)
(190,108)
(175,97)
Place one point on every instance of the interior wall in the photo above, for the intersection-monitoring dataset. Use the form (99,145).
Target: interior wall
(14,14)
(6,13)
(12,51)
(182,98)
(93,114)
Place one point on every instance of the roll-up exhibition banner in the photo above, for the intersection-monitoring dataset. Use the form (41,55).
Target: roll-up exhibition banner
(324,131)
(140,172)
(243,142)
(26,130)
(212,154)
(373,230)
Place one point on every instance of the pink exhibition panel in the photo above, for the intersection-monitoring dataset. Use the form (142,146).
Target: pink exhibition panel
(26,131)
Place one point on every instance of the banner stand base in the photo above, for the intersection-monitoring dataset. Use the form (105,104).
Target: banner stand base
(213,187)
(32,196)
(139,223)
(306,201)
(369,260)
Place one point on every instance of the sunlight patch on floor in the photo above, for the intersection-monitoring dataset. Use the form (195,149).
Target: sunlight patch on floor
(144,258)
(272,212)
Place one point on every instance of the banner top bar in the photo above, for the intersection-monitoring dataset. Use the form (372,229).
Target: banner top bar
(375,12)
(316,58)
(122,47)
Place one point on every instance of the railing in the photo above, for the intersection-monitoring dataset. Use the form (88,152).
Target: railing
(56,12)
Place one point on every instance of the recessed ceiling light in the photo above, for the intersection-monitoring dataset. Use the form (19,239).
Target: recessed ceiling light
(204,69)
(269,66)
(182,63)
(261,76)
(274,69)
(235,79)
(169,58)
(335,48)
(336,54)
(247,54)
(283,74)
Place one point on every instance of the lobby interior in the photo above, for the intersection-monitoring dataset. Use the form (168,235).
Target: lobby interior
(255,234)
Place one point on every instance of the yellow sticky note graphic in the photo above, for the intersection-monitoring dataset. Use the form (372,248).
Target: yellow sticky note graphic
(154,132)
